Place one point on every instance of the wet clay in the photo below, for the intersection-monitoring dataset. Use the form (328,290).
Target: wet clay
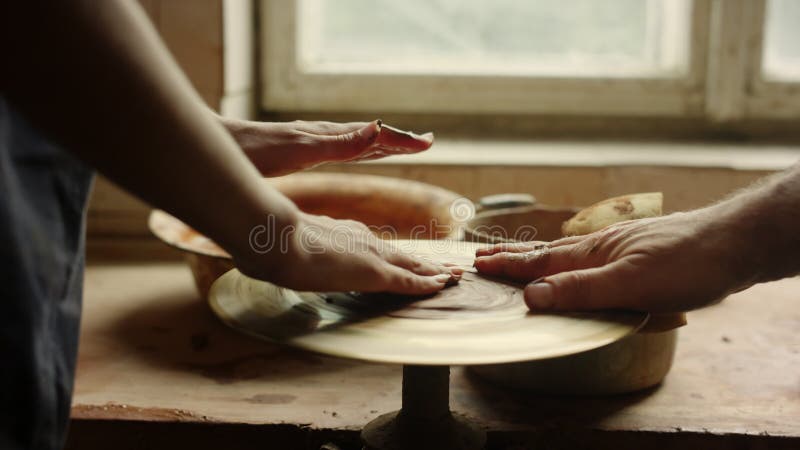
(473,295)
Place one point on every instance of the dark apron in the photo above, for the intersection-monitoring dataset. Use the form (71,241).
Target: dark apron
(43,193)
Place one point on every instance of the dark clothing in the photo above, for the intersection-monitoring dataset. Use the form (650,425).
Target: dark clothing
(43,193)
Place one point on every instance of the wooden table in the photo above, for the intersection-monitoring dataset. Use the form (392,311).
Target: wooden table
(157,370)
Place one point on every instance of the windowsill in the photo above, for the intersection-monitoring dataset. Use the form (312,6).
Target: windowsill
(602,154)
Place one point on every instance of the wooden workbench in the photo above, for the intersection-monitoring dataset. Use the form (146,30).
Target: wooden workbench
(157,370)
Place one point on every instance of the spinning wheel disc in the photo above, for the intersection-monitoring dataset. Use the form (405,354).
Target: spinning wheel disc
(478,321)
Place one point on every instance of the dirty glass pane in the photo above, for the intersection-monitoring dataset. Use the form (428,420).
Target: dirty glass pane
(782,40)
(545,37)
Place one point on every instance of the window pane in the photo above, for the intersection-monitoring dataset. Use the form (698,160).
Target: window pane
(782,40)
(519,37)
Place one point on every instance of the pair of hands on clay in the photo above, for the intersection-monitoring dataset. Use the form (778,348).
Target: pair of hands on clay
(316,258)
(678,262)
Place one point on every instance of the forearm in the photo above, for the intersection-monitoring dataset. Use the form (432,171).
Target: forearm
(764,221)
(249,136)
(101,83)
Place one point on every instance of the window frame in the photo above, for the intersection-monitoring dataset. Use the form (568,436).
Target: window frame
(737,88)
(723,82)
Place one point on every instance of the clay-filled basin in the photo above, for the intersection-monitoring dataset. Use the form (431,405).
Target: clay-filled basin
(393,207)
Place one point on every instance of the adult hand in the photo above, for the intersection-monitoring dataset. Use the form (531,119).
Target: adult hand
(665,264)
(318,253)
(280,148)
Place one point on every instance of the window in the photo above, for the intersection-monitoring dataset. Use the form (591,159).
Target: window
(724,60)
(774,90)
(623,38)
(782,41)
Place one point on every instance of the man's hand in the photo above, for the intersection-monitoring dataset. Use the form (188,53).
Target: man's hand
(667,264)
(322,254)
(280,148)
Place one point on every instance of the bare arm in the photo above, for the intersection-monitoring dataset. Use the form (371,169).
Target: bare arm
(96,78)
(673,263)
(766,218)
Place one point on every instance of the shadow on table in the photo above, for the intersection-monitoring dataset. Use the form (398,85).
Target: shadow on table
(525,409)
(179,332)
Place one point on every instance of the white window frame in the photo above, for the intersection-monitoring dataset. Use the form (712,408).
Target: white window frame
(723,81)
(737,88)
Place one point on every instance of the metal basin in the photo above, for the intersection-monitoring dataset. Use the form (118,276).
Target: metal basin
(633,363)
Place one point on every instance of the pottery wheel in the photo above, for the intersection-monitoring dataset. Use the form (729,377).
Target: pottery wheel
(478,321)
